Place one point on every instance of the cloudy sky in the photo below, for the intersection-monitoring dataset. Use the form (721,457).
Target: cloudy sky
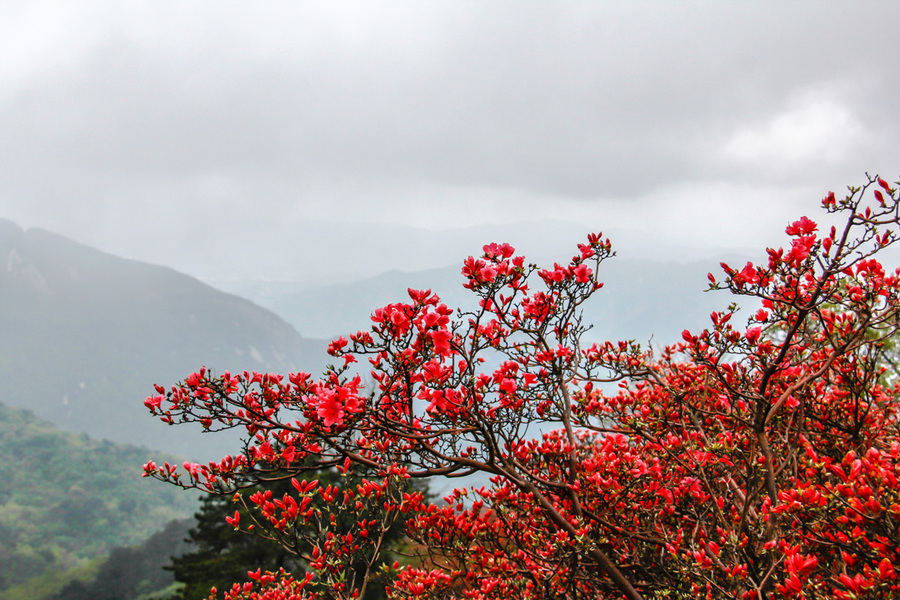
(331,140)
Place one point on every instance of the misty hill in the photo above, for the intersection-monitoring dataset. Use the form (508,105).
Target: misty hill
(640,299)
(85,335)
(66,499)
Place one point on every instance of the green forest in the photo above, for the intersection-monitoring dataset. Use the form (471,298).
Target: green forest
(78,522)
(66,501)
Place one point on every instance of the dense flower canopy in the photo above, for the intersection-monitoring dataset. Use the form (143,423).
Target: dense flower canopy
(757,461)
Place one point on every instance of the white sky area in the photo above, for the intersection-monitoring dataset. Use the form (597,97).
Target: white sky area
(335,140)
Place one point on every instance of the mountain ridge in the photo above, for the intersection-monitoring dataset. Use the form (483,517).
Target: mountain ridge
(641,298)
(86,335)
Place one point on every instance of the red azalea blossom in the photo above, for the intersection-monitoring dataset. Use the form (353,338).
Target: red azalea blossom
(336,346)
(441,340)
(330,410)
(755,459)
(154,402)
(498,250)
(582,273)
(802,227)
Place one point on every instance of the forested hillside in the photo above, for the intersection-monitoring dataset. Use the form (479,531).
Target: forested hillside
(66,499)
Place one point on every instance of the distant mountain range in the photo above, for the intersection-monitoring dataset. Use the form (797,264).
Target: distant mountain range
(85,335)
(640,299)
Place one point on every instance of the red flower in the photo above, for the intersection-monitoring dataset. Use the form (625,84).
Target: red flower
(498,250)
(153,403)
(488,273)
(802,227)
(337,345)
(441,340)
(235,521)
(753,334)
(800,249)
(582,273)
(330,410)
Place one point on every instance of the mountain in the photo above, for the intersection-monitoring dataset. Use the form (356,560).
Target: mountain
(640,299)
(85,335)
(135,572)
(340,309)
(66,499)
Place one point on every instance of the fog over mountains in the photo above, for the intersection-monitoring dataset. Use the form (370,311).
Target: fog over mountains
(641,299)
(85,335)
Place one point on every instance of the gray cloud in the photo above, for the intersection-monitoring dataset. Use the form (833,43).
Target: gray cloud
(187,132)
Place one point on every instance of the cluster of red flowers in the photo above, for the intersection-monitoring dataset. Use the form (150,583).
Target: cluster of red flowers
(745,462)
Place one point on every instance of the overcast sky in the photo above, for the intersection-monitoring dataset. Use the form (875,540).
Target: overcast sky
(331,139)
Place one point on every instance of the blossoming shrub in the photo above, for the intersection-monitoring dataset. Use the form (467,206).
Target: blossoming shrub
(756,461)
